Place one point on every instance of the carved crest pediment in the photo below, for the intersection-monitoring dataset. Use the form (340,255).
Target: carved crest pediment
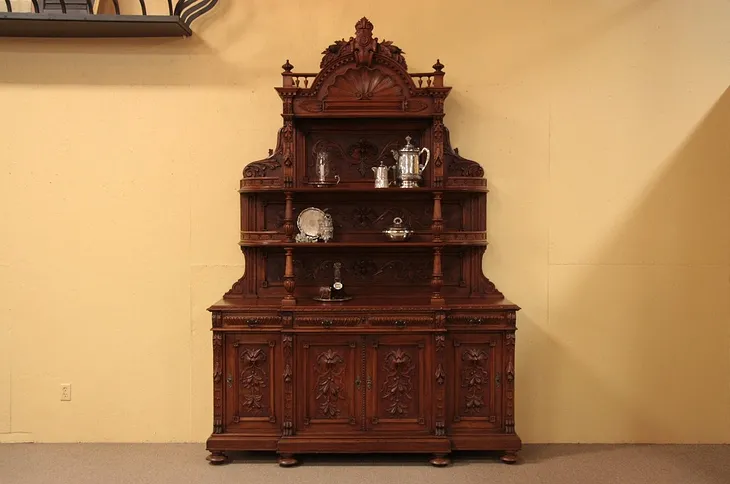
(363,47)
(360,76)
(364,84)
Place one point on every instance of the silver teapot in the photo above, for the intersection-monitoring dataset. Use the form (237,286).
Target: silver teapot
(408,168)
(381,175)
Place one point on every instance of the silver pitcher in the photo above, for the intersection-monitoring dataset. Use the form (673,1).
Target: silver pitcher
(381,175)
(408,168)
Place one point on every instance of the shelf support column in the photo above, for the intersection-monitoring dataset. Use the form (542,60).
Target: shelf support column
(289,283)
(289,217)
(437,224)
(437,278)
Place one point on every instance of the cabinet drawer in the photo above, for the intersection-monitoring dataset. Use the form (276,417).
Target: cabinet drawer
(252,321)
(477,320)
(401,322)
(328,321)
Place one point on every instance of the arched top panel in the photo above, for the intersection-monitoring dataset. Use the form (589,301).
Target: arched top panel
(363,76)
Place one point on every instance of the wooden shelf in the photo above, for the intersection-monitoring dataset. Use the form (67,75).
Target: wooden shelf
(364,189)
(366,303)
(364,245)
(88,25)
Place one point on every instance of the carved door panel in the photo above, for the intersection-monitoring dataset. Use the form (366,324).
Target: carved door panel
(397,384)
(477,381)
(329,383)
(250,373)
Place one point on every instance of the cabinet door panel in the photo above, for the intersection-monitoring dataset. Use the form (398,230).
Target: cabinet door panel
(250,376)
(477,382)
(329,392)
(397,384)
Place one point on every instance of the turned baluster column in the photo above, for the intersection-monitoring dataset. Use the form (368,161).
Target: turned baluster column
(437,224)
(289,217)
(437,278)
(289,283)
(437,227)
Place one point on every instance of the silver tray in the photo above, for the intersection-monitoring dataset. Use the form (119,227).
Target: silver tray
(310,220)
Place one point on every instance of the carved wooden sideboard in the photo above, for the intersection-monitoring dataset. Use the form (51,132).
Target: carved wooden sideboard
(422,359)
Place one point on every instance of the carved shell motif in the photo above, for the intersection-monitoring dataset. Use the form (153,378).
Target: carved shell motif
(364,84)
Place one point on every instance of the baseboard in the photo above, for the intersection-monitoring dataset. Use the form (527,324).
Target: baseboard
(16,438)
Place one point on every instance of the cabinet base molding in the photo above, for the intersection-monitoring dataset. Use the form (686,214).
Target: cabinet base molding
(239,442)
(364,445)
(288,447)
(503,442)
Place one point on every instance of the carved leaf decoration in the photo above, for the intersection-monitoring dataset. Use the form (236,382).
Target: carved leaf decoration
(332,51)
(311,106)
(398,385)
(260,168)
(236,288)
(287,373)
(387,49)
(362,45)
(253,379)
(415,105)
(365,84)
(330,387)
(440,342)
(473,376)
(456,165)
(440,375)
(253,402)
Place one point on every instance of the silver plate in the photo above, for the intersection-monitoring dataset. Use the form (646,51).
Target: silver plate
(310,220)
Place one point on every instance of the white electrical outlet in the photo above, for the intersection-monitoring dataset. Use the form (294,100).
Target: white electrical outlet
(65,392)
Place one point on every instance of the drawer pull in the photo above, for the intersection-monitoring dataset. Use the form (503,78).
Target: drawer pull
(252,323)
(326,323)
(476,321)
(400,324)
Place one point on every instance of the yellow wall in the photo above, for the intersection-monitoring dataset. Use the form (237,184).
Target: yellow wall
(604,130)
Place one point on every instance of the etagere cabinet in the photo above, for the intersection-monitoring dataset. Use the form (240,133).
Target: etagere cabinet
(421,359)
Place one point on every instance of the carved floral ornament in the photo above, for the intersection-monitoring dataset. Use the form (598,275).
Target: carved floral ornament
(363,46)
(364,79)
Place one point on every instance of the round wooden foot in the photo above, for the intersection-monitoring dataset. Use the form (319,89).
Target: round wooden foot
(217,458)
(287,460)
(509,457)
(440,460)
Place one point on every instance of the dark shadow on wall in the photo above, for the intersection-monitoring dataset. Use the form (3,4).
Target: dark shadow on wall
(661,320)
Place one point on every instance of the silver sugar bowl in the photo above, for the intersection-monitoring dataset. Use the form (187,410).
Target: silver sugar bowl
(398,232)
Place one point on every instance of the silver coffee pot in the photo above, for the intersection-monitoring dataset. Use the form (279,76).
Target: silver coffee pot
(381,175)
(408,168)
